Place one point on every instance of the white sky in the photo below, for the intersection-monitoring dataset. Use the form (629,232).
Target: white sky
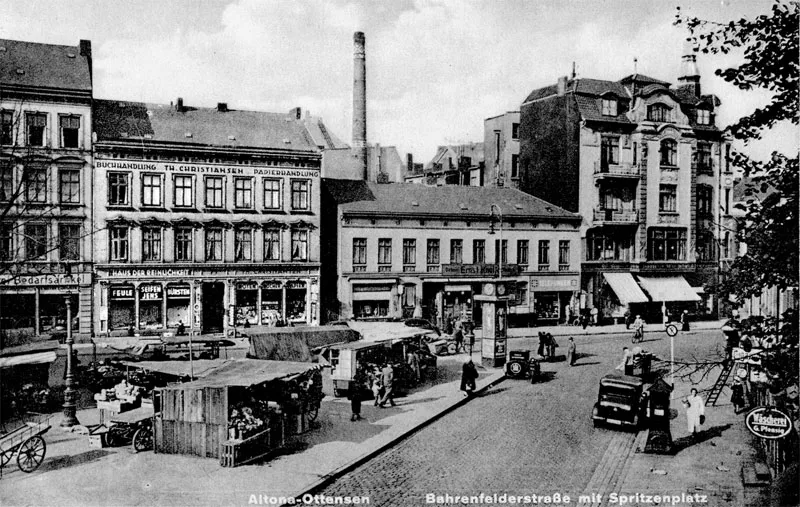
(435,68)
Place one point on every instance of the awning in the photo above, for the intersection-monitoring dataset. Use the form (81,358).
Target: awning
(372,296)
(668,288)
(35,358)
(625,288)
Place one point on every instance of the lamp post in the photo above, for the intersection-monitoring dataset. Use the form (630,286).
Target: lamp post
(499,252)
(70,419)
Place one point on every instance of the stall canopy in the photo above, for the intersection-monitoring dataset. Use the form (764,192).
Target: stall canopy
(197,368)
(31,353)
(378,331)
(296,343)
(249,372)
(668,288)
(625,288)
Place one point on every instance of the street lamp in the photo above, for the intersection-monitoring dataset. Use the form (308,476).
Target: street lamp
(499,251)
(70,419)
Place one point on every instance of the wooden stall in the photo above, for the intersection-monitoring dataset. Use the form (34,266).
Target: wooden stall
(239,412)
(296,343)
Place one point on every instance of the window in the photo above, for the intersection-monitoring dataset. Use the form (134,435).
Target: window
(272,194)
(544,255)
(300,194)
(272,245)
(69,242)
(183,244)
(563,255)
(70,129)
(478,251)
(214,244)
(6,182)
(215,194)
(6,127)
(522,252)
(409,251)
(515,166)
(502,250)
(727,201)
(359,251)
(521,294)
(705,246)
(667,198)
(727,247)
(609,107)
(385,251)
(118,189)
(515,131)
(151,190)
(243,193)
(69,186)
(118,237)
(727,158)
(666,244)
(704,196)
(6,242)
(35,242)
(497,146)
(37,123)
(184,191)
(658,112)
(433,251)
(456,251)
(243,244)
(36,185)
(704,165)
(609,151)
(299,245)
(635,153)
(669,151)
(703,117)
(606,245)
(151,244)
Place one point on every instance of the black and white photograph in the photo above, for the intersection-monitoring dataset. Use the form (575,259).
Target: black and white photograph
(399,253)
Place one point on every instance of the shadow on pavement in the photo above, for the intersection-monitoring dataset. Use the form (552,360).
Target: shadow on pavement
(545,376)
(701,436)
(585,363)
(490,392)
(59,462)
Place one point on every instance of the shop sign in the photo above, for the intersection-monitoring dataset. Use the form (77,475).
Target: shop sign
(372,288)
(295,285)
(769,423)
(555,283)
(150,292)
(271,285)
(183,168)
(43,280)
(184,273)
(479,270)
(122,292)
(179,292)
(247,286)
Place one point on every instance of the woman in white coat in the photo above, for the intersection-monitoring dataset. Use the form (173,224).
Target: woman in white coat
(695,411)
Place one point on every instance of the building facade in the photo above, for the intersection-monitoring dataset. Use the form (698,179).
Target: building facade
(501,150)
(405,250)
(647,168)
(46,233)
(459,164)
(205,217)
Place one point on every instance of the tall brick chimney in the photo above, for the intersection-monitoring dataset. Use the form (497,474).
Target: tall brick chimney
(360,103)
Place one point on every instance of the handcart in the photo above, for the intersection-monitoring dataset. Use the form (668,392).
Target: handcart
(26,443)
(134,427)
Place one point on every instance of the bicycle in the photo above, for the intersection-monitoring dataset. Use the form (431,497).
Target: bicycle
(638,335)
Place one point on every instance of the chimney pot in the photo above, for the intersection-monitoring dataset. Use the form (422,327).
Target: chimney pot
(222,107)
(85,47)
(179,104)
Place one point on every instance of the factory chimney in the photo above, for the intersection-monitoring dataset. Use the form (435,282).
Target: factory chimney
(360,103)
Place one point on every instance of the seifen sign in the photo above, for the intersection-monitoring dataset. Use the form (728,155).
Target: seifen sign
(767,422)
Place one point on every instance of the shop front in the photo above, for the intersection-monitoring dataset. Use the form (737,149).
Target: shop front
(179,297)
(552,295)
(372,300)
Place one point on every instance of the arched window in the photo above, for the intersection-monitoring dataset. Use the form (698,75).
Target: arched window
(669,150)
(659,112)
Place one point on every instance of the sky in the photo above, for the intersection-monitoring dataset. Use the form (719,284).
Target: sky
(435,68)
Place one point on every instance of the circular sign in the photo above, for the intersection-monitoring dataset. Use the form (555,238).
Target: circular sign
(501,290)
(769,423)
(488,289)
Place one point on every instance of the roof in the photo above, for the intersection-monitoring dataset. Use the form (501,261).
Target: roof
(455,200)
(196,368)
(472,150)
(43,65)
(641,78)
(248,372)
(590,109)
(119,120)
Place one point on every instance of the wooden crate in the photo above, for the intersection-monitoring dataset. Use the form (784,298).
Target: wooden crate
(239,452)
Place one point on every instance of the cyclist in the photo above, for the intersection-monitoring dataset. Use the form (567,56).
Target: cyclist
(638,329)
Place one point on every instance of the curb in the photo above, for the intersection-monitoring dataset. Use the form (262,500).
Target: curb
(335,474)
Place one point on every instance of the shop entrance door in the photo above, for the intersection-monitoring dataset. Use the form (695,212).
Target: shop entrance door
(213,307)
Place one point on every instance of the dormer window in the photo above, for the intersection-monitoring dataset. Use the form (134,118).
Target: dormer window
(703,117)
(609,106)
(659,112)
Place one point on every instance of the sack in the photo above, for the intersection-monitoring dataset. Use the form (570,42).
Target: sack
(702,419)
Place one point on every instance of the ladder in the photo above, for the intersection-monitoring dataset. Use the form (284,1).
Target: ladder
(720,384)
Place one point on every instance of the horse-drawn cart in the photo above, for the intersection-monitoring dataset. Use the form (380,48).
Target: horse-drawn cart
(26,443)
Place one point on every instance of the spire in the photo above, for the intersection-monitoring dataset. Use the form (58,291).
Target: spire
(690,74)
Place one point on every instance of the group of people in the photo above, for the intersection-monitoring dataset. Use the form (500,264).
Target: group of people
(380,381)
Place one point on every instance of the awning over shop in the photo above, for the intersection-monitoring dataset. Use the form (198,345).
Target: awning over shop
(626,288)
(668,288)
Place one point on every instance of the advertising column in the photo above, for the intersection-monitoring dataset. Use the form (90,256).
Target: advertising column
(494,309)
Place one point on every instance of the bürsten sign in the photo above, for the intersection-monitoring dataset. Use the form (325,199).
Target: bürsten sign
(767,422)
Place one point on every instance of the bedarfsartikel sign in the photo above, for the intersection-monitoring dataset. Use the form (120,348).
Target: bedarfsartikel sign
(769,423)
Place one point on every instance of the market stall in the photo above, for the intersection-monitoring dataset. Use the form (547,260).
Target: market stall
(239,412)
(296,343)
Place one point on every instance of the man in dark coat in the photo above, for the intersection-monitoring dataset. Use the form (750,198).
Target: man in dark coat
(468,376)
(542,344)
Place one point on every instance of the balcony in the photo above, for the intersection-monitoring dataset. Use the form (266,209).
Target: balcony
(623,170)
(610,216)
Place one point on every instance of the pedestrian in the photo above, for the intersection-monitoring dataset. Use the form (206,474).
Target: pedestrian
(628,319)
(595,315)
(413,363)
(387,379)
(685,320)
(377,386)
(567,314)
(458,336)
(468,376)
(737,395)
(181,328)
(355,393)
(542,343)
(571,352)
(627,362)
(638,326)
(584,319)
(695,412)
(551,346)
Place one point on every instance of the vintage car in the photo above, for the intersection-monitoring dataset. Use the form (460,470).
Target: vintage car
(621,400)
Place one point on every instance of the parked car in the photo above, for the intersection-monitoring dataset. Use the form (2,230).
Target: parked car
(621,400)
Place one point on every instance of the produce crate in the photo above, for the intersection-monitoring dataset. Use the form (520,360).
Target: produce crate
(239,452)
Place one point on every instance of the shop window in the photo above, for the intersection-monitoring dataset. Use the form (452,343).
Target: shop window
(669,152)
(563,255)
(300,195)
(609,107)
(546,305)
(152,187)
(36,128)
(118,189)
(151,297)
(668,198)
(35,184)
(272,245)
(243,193)
(121,306)
(184,191)
(359,254)
(409,254)
(272,194)
(6,182)
(659,112)
(215,192)
(151,244)
(243,244)
(69,242)
(666,244)
(6,127)
(522,252)
(6,242)
(433,252)
(478,251)
(178,300)
(456,251)
(246,303)
(214,244)
(35,242)
(296,294)
(299,245)
(69,186)
(384,254)
(501,251)
(704,199)
(118,238)
(608,246)
(183,244)
(544,255)
(609,151)
(70,127)
(271,303)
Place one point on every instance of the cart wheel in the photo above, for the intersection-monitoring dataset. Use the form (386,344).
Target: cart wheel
(142,440)
(112,437)
(312,414)
(31,454)
(452,349)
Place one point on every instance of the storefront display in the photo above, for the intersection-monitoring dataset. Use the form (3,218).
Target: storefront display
(121,306)
(296,293)
(271,303)
(546,305)
(178,301)
(151,300)
(246,303)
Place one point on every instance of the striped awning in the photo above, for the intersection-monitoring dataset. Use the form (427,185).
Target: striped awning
(626,288)
(668,288)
